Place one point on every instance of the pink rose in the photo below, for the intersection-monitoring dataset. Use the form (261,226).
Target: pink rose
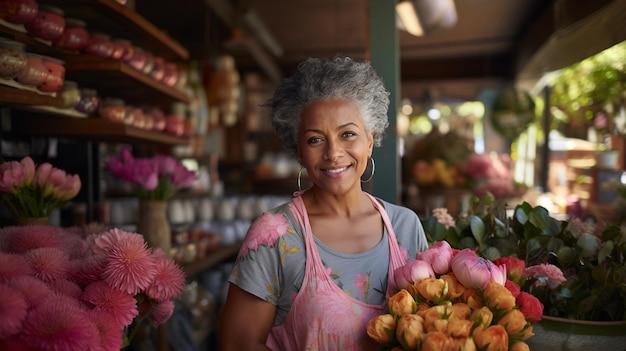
(438,256)
(551,274)
(412,272)
(476,272)
(514,266)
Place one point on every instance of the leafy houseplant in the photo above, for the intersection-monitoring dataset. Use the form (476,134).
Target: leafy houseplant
(591,257)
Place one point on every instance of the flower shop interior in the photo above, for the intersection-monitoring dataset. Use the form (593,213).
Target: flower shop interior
(494,104)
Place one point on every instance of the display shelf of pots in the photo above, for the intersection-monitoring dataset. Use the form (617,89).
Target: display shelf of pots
(212,259)
(93,129)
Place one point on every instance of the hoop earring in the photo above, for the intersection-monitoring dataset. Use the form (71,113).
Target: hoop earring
(300,179)
(373,170)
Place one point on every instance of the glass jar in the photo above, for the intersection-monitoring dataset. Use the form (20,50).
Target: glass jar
(138,60)
(55,77)
(75,37)
(70,94)
(34,73)
(100,44)
(113,110)
(158,68)
(89,102)
(18,11)
(123,50)
(48,24)
(170,74)
(147,67)
(12,58)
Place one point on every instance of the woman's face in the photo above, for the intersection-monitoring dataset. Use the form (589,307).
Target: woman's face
(334,145)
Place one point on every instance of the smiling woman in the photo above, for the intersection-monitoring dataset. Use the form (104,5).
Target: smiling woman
(314,270)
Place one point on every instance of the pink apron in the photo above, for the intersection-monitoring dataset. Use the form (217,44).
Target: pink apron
(322,316)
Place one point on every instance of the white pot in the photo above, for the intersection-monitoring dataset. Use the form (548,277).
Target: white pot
(607,159)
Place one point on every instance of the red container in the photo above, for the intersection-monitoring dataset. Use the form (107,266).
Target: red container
(75,37)
(34,73)
(170,75)
(55,77)
(100,45)
(48,24)
(123,50)
(18,11)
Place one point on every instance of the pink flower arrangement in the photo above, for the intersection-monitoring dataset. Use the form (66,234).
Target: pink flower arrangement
(31,190)
(491,173)
(156,178)
(449,299)
(62,289)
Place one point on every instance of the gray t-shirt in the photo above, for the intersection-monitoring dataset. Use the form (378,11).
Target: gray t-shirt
(271,264)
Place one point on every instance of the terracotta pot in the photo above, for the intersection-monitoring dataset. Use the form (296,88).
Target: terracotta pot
(560,334)
(23,221)
(153,224)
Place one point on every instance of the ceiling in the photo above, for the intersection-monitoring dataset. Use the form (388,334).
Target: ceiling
(492,42)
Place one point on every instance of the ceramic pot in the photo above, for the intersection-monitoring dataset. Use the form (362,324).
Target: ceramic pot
(153,224)
(18,11)
(24,221)
(100,45)
(48,24)
(55,77)
(560,334)
(89,101)
(34,73)
(75,37)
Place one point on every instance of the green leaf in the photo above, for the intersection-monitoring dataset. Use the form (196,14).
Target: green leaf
(478,228)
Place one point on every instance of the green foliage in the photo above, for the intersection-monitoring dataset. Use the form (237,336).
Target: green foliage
(593,259)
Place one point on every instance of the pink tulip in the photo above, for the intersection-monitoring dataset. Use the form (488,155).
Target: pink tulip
(438,256)
(42,173)
(70,188)
(29,169)
(54,182)
(476,272)
(11,176)
(412,272)
(182,177)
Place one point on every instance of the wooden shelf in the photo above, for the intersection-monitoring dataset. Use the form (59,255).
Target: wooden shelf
(117,79)
(93,129)
(212,259)
(120,21)
(14,95)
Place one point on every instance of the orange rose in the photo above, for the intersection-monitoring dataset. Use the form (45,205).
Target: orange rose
(519,346)
(455,288)
(382,328)
(402,303)
(430,288)
(493,338)
(459,328)
(514,321)
(435,341)
(462,344)
(497,296)
(483,316)
(433,314)
(410,331)
(471,298)
(459,310)
(528,332)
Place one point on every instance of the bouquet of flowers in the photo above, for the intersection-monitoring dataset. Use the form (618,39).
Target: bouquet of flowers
(157,178)
(455,300)
(68,289)
(31,190)
(577,269)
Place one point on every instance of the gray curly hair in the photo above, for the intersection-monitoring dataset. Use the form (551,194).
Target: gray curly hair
(321,79)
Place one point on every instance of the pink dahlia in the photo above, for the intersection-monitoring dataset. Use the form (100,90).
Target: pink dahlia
(162,311)
(120,305)
(129,265)
(59,324)
(110,333)
(86,270)
(31,237)
(110,239)
(34,290)
(13,310)
(168,282)
(11,266)
(48,263)
(66,287)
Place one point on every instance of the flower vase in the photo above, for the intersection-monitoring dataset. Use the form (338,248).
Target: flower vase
(24,221)
(560,334)
(154,225)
